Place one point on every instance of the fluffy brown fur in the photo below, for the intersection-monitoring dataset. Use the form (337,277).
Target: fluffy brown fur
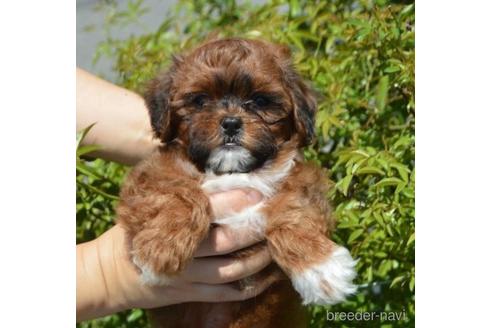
(167,214)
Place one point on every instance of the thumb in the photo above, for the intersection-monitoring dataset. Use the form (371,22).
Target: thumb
(233,201)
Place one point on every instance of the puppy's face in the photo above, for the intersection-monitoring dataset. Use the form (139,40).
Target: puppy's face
(233,104)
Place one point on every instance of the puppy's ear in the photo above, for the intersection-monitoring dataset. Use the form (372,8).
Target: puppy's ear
(304,110)
(157,98)
(305,104)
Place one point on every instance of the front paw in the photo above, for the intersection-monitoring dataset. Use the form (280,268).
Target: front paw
(329,282)
(161,259)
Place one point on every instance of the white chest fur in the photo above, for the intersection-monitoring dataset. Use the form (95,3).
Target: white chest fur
(265,180)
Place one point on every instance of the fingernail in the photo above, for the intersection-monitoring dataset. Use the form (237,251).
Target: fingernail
(254,196)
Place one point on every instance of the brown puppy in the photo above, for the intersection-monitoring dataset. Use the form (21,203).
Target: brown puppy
(234,113)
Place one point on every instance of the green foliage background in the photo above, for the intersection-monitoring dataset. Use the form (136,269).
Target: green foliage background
(359,56)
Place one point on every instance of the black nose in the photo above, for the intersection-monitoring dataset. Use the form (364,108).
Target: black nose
(231,125)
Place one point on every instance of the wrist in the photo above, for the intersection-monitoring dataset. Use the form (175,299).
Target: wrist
(91,288)
(115,268)
(99,288)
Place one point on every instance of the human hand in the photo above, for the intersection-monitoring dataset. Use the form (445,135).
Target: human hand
(207,279)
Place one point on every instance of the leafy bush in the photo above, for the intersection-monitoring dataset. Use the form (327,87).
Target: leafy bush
(359,56)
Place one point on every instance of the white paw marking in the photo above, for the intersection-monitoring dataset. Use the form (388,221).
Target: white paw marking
(148,276)
(329,282)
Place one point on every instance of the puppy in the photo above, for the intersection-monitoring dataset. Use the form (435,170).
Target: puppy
(234,113)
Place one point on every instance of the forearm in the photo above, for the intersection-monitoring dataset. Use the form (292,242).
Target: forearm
(98,280)
(122,126)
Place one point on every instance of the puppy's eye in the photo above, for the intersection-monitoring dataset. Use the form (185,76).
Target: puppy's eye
(199,100)
(261,101)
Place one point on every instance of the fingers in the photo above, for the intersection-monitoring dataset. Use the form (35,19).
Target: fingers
(224,240)
(219,270)
(233,201)
(230,292)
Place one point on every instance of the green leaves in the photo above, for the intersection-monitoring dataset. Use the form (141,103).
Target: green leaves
(344,184)
(354,235)
(382,92)
(388,182)
(135,315)
(81,135)
(97,191)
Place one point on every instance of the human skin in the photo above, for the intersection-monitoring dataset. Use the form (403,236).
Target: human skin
(122,126)
(107,280)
